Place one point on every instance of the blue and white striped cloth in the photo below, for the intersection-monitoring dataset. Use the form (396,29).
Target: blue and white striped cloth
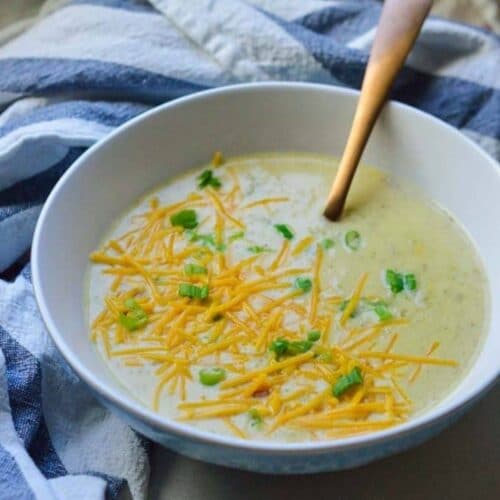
(86,66)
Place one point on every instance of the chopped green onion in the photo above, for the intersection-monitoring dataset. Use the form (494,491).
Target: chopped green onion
(128,322)
(135,317)
(185,218)
(283,347)
(394,280)
(345,382)
(398,282)
(299,347)
(212,376)
(255,417)
(284,230)
(305,284)
(193,291)
(314,335)
(207,178)
(206,239)
(327,243)
(353,240)
(410,282)
(190,269)
(258,249)
(279,347)
(237,236)
(379,307)
(382,311)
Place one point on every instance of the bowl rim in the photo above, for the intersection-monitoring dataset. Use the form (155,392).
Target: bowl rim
(138,410)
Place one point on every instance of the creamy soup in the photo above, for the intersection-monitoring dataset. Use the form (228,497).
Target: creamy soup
(227,301)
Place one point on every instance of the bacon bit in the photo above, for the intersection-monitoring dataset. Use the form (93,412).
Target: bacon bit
(262,392)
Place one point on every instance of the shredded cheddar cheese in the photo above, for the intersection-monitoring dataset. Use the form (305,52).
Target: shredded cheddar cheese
(266,201)
(354,300)
(249,305)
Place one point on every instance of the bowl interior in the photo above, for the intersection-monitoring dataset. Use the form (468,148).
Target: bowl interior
(239,120)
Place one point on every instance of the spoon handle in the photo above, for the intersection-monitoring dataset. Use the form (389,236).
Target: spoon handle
(398,28)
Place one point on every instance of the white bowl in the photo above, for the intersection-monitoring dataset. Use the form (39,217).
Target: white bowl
(241,119)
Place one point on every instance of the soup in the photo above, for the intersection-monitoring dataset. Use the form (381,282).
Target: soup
(226,300)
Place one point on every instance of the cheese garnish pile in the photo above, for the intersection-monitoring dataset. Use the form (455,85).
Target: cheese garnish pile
(251,310)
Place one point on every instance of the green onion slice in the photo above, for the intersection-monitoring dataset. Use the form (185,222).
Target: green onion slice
(135,317)
(398,282)
(352,240)
(345,382)
(314,335)
(279,347)
(410,282)
(212,376)
(394,280)
(258,249)
(299,347)
(382,311)
(255,417)
(237,236)
(304,284)
(282,347)
(193,291)
(207,178)
(206,239)
(185,218)
(327,243)
(284,230)
(190,269)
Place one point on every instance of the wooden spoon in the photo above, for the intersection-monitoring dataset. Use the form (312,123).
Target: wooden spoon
(398,28)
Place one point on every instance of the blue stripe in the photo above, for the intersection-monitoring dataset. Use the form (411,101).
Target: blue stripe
(33,191)
(464,105)
(110,114)
(12,482)
(344,22)
(132,5)
(455,101)
(97,79)
(24,384)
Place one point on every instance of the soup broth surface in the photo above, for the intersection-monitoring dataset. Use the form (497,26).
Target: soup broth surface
(226,300)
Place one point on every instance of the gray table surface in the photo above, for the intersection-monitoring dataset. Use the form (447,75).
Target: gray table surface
(463,462)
